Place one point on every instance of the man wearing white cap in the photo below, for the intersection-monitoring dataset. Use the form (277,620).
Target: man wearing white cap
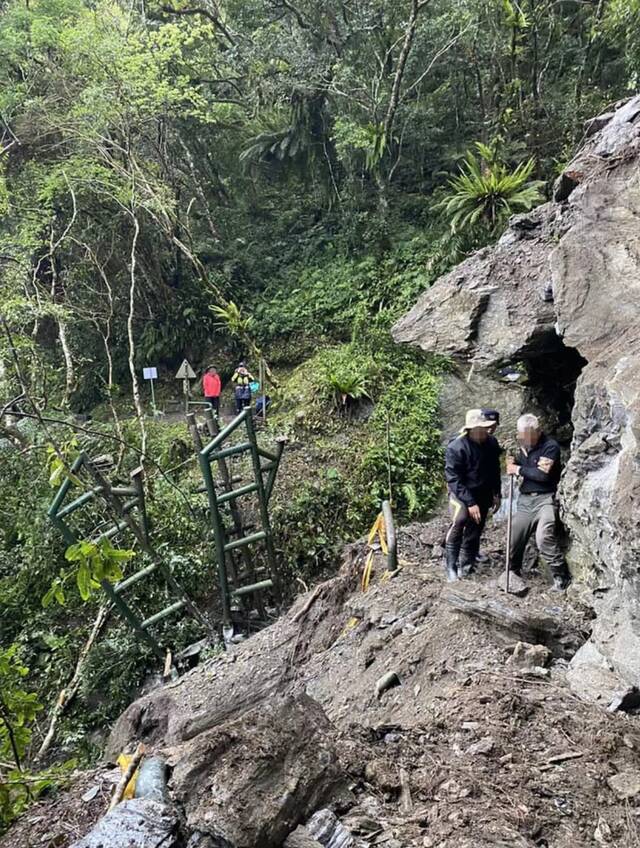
(472,471)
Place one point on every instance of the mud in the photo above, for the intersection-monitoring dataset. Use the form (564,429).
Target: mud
(482,743)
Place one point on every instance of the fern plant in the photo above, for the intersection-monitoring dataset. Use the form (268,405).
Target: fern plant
(347,387)
(486,193)
(230,316)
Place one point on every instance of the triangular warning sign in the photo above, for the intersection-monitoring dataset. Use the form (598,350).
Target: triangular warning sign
(185,371)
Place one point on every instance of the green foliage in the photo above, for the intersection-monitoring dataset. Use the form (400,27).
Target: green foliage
(486,193)
(370,139)
(94,563)
(343,376)
(337,493)
(331,382)
(18,710)
(324,299)
(59,459)
(405,436)
(230,316)
(620,27)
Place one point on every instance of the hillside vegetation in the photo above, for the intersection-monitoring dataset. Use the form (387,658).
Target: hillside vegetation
(258,179)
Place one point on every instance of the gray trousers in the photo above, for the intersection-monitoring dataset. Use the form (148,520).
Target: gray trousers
(537,513)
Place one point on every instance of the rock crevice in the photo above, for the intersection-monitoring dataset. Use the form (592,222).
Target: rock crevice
(561,291)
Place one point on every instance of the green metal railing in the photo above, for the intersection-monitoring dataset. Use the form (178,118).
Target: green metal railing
(221,494)
(121,513)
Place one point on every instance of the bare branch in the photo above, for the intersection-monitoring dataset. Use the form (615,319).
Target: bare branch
(135,386)
(416,8)
(437,56)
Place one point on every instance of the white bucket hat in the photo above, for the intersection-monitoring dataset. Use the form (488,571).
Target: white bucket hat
(475,418)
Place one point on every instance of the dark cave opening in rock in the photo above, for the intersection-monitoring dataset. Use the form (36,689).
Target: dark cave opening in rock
(551,384)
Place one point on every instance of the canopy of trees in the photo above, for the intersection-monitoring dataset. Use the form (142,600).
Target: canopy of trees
(266,178)
(158,159)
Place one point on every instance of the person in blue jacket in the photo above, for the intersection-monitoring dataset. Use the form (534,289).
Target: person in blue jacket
(472,472)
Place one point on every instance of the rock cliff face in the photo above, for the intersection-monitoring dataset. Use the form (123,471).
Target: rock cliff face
(558,298)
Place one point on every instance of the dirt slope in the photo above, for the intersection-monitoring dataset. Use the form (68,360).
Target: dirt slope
(490,753)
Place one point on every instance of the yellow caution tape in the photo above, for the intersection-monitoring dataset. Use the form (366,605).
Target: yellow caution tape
(123,762)
(380,531)
(366,574)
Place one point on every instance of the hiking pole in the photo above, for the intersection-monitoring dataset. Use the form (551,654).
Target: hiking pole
(509,518)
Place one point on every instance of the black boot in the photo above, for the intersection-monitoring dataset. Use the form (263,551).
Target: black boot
(466,567)
(467,563)
(451,559)
(561,580)
(561,577)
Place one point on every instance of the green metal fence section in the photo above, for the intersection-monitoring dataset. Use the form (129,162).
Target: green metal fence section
(239,580)
(124,504)
(231,541)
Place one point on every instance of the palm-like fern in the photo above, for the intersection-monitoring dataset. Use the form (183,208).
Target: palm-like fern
(486,192)
(230,316)
(296,142)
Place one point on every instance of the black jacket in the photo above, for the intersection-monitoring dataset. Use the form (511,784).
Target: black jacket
(534,480)
(471,468)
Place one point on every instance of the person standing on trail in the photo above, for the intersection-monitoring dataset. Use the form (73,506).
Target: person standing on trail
(537,465)
(472,471)
(211,388)
(490,415)
(242,380)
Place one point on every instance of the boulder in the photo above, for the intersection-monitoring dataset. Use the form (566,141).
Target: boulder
(558,298)
(329,832)
(138,823)
(301,838)
(251,781)
(517,586)
(625,784)
(489,310)
(462,390)
(526,655)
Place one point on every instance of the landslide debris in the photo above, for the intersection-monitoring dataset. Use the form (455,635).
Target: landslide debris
(480,742)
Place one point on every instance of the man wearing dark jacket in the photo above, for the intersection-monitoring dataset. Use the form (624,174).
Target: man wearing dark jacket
(472,471)
(538,467)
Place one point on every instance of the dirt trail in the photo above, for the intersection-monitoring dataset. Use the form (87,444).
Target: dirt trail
(469,747)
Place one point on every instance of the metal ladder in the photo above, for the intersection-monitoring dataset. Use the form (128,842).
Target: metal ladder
(221,495)
(121,511)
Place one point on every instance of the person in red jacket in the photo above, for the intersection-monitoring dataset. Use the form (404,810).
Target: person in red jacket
(211,388)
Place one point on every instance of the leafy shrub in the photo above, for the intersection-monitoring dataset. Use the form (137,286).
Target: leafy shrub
(18,709)
(405,444)
(323,300)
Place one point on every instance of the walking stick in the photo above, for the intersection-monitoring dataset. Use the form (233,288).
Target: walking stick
(509,517)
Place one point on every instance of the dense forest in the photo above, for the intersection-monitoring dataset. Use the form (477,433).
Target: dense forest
(268,180)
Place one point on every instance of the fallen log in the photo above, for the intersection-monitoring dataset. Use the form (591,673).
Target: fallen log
(537,626)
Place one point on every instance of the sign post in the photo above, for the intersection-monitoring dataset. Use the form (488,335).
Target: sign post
(151,374)
(185,373)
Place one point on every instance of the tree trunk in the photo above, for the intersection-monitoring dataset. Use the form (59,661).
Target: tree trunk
(382,177)
(135,385)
